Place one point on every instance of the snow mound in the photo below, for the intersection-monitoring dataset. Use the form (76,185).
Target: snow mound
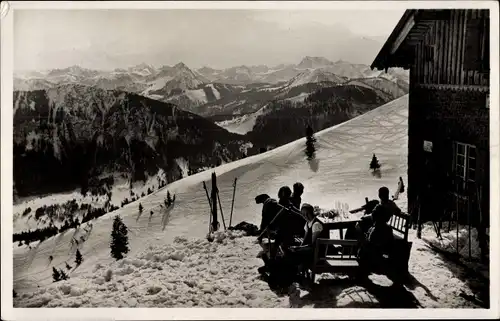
(449,240)
(185,273)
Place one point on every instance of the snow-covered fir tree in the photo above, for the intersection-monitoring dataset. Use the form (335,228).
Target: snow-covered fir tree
(119,239)
(374,164)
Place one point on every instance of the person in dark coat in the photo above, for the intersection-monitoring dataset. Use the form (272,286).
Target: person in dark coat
(291,223)
(270,209)
(276,220)
(298,190)
(387,208)
(284,195)
(379,241)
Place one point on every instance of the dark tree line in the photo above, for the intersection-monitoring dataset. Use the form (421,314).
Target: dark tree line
(63,211)
(67,212)
(44,233)
(36,235)
(95,142)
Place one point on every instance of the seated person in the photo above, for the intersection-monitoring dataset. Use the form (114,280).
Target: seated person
(269,210)
(387,207)
(298,190)
(303,255)
(284,195)
(390,208)
(284,224)
(380,236)
(379,239)
(290,223)
(291,226)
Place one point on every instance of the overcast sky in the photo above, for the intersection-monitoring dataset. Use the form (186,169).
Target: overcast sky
(108,39)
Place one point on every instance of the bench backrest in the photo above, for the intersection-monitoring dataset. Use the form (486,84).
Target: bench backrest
(400,224)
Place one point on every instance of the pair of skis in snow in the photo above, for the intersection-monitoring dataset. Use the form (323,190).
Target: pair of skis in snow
(211,228)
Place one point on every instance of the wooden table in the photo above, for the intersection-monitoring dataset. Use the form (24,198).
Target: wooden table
(339,225)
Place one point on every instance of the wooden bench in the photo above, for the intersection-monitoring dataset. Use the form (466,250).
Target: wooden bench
(347,261)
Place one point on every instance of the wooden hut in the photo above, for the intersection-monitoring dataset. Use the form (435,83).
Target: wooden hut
(447,53)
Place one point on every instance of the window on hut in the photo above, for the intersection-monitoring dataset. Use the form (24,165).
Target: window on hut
(465,166)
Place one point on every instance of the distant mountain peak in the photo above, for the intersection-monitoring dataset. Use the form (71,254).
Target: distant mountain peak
(75,67)
(142,65)
(314,62)
(181,65)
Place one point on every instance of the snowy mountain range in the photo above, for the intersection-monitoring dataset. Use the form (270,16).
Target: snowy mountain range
(84,123)
(208,91)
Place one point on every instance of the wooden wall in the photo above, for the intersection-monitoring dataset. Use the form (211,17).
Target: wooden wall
(449,38)
(442,117)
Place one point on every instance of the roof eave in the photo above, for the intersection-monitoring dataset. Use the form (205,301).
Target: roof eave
(383,59)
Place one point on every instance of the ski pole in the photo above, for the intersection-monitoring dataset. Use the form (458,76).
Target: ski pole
(210,203)
(267,227)
(232,203)
(221,213)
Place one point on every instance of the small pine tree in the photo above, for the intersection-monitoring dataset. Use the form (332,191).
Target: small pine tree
(68,266)
(56,275)
(119,239)
(63,274)
(310,140)
(78,258)
(140,208)
(169,198)
(374,165)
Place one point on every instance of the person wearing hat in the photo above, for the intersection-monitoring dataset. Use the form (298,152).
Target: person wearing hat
(269,209)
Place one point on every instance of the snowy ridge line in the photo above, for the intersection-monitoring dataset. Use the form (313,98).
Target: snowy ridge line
(245,161)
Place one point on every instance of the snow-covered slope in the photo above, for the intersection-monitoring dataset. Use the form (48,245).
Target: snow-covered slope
(340,173)
(172,265)
(242,124)
(315,76)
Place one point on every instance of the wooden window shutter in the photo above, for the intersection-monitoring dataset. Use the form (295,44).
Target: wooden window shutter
(472,56)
